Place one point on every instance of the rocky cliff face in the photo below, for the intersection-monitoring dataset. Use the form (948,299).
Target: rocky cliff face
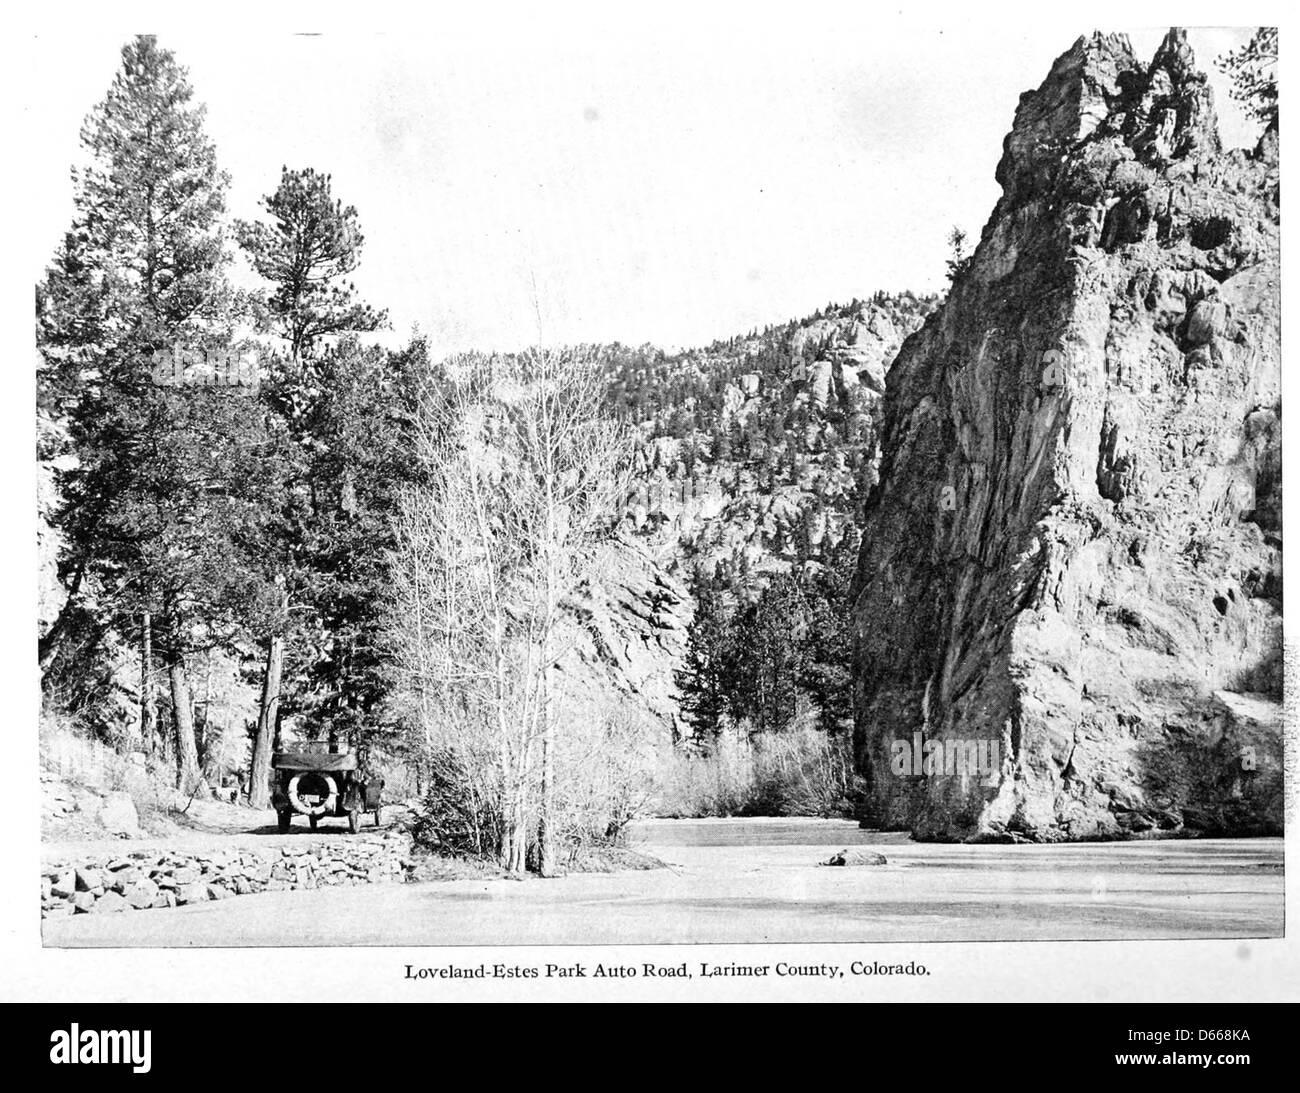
(1069,599)
(624,635)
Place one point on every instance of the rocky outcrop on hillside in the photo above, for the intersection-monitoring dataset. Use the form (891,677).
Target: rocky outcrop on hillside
(1071,567)
(624,635)
(748,441)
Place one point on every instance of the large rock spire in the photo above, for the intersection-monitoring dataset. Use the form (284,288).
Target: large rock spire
(1073,555)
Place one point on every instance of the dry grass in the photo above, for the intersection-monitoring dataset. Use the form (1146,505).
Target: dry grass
(799,772)
(76,759)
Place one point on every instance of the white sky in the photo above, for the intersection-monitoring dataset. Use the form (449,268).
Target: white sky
(654,184)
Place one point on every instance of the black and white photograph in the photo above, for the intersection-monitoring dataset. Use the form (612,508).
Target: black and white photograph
(712,502)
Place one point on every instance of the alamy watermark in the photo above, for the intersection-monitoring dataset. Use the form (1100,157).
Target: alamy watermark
(937,758)
(981,757)
(114,1047)
(183,366)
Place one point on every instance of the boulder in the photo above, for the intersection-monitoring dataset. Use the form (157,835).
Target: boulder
(259,872)
(856,855)
(118,816)
(197,892)
(141,894)
(110,903)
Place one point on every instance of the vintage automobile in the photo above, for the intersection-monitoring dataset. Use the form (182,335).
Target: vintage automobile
(317,779)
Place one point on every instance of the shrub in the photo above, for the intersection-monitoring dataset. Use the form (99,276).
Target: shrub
(454,816)
(797,772)
(606,768)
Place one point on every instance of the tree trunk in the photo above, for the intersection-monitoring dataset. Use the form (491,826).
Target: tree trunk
(518,860)
(187,752)
(47,647)
(514,835)
(546,864)
(203,727)
(259,793)
(148,705)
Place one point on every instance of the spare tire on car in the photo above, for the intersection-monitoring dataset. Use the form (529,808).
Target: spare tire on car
(317,779)
(318,785)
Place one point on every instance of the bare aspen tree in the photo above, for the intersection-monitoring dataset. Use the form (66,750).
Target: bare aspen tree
(524,480)
(571,460)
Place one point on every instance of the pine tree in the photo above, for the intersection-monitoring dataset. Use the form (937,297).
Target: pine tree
(1253,70)
(704,676)
(364,459)
(803,543)
(721,445)
(689,456)
(163,504)
(958,258)
(312,242)
(826,658)
(766,656)
(162,510)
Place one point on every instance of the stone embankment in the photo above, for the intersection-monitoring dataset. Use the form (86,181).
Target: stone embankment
(152,879)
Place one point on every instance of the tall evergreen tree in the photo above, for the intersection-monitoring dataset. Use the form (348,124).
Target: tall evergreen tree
(363,458)
(703,680)
(766,656)
(162,506)
(826,659)
(310,245)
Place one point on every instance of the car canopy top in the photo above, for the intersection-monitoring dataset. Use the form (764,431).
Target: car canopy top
(292,760)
